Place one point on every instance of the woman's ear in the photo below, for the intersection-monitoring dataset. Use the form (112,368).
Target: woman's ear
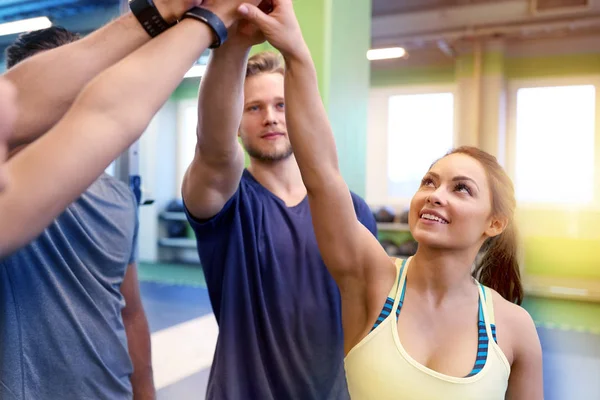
(496,226)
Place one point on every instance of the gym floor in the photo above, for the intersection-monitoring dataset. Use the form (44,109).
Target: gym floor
(184,335)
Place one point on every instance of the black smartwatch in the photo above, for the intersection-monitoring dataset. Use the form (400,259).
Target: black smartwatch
(146,12)
(210,19)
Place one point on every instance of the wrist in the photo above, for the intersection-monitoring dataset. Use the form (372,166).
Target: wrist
(236,45)
(300,55)
(149,16)
(225,14)
(165,11)
(211,20)
(230,54)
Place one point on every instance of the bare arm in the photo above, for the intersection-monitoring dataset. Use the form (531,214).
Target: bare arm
(217,167)
(109,115)
(345,244)
(359,264)
(526,376)
(138,337)
(48,83)
(354,257)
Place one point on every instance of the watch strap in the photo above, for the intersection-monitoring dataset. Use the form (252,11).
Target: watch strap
(147,14)
(213,21)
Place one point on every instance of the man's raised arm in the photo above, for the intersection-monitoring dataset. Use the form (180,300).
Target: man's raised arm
(215,172)
(48,83)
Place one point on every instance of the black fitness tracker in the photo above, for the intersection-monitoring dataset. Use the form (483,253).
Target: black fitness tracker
(146,12)
(213,21)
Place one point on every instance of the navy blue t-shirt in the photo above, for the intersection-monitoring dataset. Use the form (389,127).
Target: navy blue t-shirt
(277,306)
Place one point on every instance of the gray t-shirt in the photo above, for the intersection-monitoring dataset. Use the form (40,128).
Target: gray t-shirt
(61,332)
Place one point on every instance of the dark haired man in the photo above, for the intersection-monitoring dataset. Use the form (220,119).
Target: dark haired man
(71,300)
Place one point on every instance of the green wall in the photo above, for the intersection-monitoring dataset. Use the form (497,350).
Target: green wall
(541,67)
(515,68)
(338,37)
(491,63)
(187,90)
(561,242)
(313,16)
(347,98)
(412,76)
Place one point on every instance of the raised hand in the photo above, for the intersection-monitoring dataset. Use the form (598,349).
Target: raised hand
(245,34)
(173,10)
(226,10)
(280,27)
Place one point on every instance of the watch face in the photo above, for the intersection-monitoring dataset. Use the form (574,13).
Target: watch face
(266,6)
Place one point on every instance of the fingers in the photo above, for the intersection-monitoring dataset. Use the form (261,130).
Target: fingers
(277,3)
(254,15)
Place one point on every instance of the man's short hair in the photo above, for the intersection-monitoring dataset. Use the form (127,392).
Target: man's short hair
(31,43)
(266,62)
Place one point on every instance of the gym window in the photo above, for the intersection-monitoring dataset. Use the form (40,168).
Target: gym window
(413,127)
(409,128)
(554,144)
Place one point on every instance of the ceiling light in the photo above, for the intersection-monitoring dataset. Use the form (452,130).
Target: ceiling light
(196,71)
(385,54)
(24,25)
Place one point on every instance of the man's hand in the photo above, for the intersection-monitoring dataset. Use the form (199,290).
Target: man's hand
(245,34)
(280,27)
(173,10)
(226,10)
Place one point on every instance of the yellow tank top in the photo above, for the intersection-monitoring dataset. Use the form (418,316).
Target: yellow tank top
(378,368)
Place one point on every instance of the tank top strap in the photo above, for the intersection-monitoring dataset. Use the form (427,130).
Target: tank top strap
(399,263)
(398,266)
(400,286)
(392,298)
(488,305)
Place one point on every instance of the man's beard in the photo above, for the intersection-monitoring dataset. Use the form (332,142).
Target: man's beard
(268,157)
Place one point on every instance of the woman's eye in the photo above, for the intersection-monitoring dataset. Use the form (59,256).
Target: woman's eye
(461,187)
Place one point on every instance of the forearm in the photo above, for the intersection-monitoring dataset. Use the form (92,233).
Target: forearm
(49,82)
(138,342)
(111,113)
(311,135)
(216,169)
(221,102)
(133,90)
(314,147)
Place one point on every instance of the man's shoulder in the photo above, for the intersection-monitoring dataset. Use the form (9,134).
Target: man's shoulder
(112,190)
(107,199)
(108,181)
